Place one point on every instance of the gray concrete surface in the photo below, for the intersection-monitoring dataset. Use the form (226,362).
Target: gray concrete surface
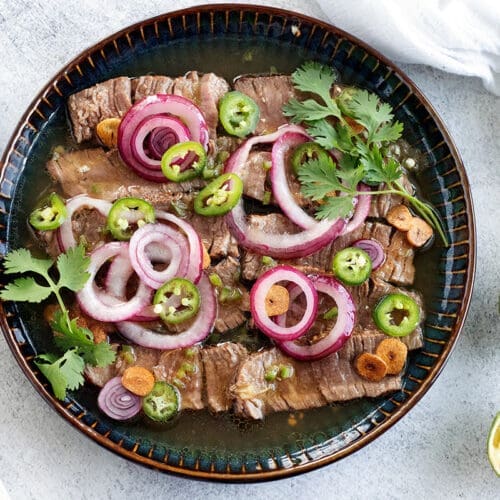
(436,451)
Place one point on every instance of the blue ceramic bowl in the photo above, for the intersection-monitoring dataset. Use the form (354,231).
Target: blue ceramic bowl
(231,40)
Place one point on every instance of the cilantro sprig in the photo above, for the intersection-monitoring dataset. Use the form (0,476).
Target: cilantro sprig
(329,122)
(64,372)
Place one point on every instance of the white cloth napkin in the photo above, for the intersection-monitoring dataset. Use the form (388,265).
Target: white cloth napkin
(458,36)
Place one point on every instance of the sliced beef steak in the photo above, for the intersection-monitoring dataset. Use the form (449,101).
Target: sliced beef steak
(88,107)
(398,268)
(113,98)
(254,174)
(144,86)
(231,314)
(270,93)
(312,385)
(103,175)
(381,204)
(184,369)
(220,365)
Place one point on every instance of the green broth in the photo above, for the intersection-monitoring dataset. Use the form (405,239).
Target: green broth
(194,430)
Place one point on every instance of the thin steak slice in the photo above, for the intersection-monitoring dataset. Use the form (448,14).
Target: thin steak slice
(254,174)
(113,98)
(88,107)
(103,175)
(270,93)
(231,314)
(144,86)
(184,369)
(312,385)
(220,364)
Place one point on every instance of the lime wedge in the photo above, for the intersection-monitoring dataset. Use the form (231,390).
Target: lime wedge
(494,444)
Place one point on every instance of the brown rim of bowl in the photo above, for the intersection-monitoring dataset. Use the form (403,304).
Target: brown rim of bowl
(398,413)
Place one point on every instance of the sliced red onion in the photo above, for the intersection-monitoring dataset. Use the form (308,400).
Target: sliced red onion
(260,291)
(374,249)
(279,181)
(159,104)
(65,236)
(361,210)
(198,331)
(340,332)
(158,132)
(100,305)
(142,258)
(275,244)
(117,402)
(195,267)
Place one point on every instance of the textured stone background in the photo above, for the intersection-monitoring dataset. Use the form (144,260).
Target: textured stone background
(437,451)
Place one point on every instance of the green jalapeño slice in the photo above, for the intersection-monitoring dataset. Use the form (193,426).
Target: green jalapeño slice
(352,266)
(177,300)
(162,403)
(308,151)
(238,113)
(397,314)
(220,196)
(183,161)
(49,214)
(128,214)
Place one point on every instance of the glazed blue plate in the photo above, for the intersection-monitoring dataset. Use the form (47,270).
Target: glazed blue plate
(232,40)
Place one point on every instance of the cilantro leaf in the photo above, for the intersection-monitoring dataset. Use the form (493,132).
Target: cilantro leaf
(350,172)
(376,169)
(21,261)
(63,373)
(103,354)
(388,132)
(69,335)
(314,77)
(318,179)
(305,111)
(330,137)
(25,289)
(72,267)
(335,206)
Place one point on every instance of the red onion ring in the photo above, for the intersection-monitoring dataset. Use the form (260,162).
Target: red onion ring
(117,402)
(275,244)
(198,331)
(279,181)
(361,211)
(141,258)
(258,296)
(374,249)
(195,267)
(159,104)
(340,332)
(105,307)
(65,236)
(155,124)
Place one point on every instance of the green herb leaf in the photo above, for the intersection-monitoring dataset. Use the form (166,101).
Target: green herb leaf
(335,206)
(63,373)
(25,289)
(314,77)
(72,267)
(318,179)
(378,170)
(21,261)
(102,354)
(330,137)
(305,111)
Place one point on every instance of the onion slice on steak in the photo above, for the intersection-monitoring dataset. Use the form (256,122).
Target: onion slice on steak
(275,244)
(260,291)
(65,237)
(340,332)
(117,402)
(103,306)
(374,249)
(361,210)
(199,329)
(279,182)
(158,105)
(173,241)
(154,135)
